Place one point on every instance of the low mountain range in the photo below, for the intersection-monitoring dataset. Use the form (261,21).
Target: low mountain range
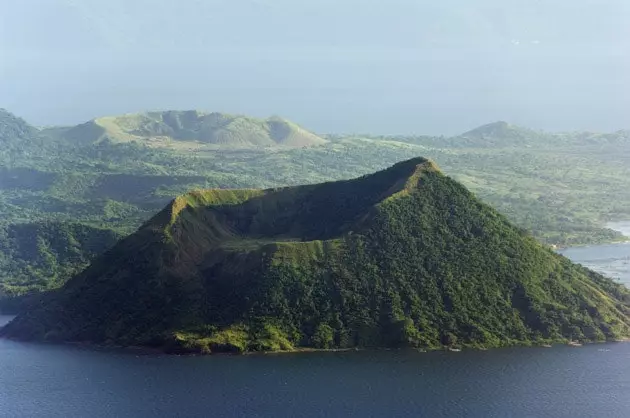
(189,129)
(403,257)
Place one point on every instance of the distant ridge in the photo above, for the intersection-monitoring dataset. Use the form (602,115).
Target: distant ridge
(13,128)
(505,134)
(499,129)
(177,128)
(19,138)
(500,133)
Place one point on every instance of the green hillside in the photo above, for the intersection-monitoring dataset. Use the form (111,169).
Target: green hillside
(17,137)
(13,128)
(561,187)
(402,257)
(42,256)
(191,130)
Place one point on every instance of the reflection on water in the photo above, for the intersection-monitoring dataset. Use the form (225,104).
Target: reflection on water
(612,260)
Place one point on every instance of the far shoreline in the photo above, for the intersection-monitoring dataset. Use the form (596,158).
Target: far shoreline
(620,226)
(623,227)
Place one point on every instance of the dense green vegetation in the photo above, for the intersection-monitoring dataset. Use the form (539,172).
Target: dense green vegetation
(403,257)
(43,255)
(560,187)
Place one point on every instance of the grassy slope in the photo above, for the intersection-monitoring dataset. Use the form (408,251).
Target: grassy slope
(190,130)
(404,257)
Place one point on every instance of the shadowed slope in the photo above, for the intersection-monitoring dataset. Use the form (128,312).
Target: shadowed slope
(405,256)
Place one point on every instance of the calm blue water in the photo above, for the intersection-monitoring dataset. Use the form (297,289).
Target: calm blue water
(58,381)
(62,381)
(611,260)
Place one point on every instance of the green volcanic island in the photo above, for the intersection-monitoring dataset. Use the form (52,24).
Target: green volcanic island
(405,257)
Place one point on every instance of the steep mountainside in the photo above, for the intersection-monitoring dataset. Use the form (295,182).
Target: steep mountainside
(402,257)
(179,129)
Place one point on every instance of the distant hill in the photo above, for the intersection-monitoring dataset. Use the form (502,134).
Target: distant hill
(16,135)
(13,127)
(496,134)
(180,129)
(501,134)
(499,129)
(402,257)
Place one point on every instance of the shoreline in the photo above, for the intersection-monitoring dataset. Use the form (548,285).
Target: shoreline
(623,227)
(161,351)
(568,247)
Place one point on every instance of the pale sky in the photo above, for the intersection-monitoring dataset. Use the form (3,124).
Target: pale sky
(395,66)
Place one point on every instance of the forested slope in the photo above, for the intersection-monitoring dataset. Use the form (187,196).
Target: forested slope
(560,187)
(403,257)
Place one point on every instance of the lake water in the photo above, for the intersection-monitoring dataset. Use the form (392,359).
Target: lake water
(611,260)
(63,381)
(60,381)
